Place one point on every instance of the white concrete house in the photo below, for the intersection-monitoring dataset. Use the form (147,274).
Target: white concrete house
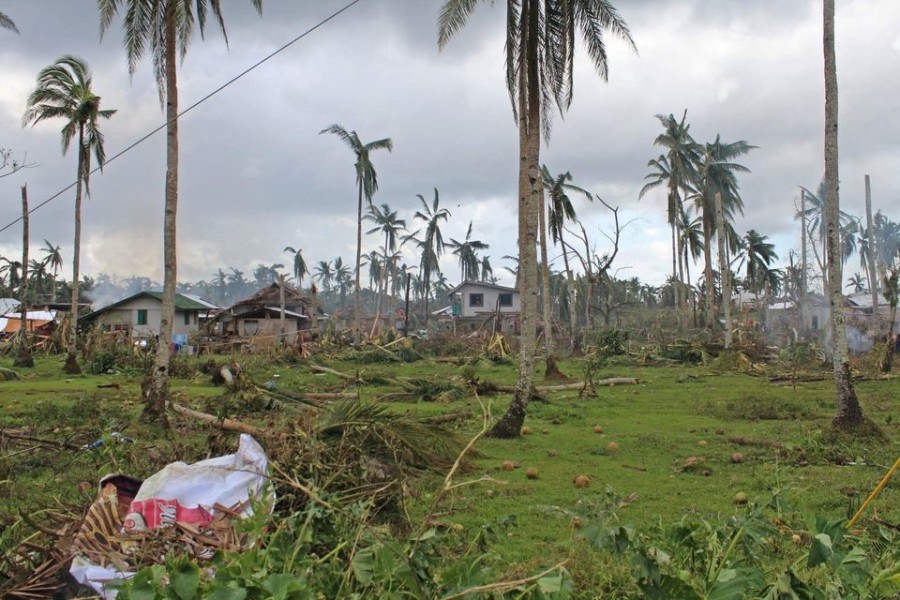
(139,316)
(477,298)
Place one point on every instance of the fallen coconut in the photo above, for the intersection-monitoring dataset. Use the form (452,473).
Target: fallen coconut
(612,447)
(526,430)
(737,457)
(598,429)
(740,498)
(531,473)
(582,481)
(552,453)
(508,465)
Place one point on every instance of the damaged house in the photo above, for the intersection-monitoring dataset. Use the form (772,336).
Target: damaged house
(257,320)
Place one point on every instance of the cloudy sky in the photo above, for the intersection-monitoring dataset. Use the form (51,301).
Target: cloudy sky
(256,176)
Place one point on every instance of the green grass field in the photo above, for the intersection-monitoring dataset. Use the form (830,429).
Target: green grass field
(675,432)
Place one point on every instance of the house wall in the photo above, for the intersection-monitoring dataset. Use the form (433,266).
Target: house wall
(126,317)
(490,296)
(266,331)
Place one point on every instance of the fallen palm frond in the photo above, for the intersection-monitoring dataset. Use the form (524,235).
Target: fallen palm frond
(386,435)
(8,374)
(424,390)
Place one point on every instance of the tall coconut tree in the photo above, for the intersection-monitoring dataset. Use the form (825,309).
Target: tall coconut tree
(540,58)
(64,91)
(559,211)
(324,274)
(164,29)
(388,224)
(298,264)
(53,259)
(675,169)
(431,243)
(367,184)
(849,413)
(717,177)
(466,252)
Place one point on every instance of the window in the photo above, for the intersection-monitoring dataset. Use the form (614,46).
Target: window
(142,316)
(251,326)
(187,318)
(505,299)
(476,299)
(815,321)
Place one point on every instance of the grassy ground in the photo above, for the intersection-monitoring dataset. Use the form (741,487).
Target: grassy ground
(676,432)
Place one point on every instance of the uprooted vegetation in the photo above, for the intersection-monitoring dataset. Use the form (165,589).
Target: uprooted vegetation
(361,452)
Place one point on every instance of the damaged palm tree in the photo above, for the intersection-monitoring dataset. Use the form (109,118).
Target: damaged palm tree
(540,51)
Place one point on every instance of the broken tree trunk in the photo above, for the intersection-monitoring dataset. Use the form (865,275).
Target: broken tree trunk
(321,369)
(227,424)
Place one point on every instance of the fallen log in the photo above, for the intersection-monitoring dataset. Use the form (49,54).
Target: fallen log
(227,424)
(17,434)
(329,395)
(541,389)
(438,419)
(321,369)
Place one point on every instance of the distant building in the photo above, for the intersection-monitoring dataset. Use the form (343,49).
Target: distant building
(473,303)
(257,319)
(139,316)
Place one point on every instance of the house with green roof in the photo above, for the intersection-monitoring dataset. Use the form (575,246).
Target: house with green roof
(138,316)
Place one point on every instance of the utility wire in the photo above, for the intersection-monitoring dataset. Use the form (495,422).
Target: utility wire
(190,108)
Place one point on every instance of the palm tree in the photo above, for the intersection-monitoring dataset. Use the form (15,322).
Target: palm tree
(367,182)
(164,28)
(560,210)
(53,258)
(849,413)
(857,282)
(487,271)
(540,53)
(432,243)
(677,168)
(816,207)
(298,265)
(220,283)
(467,253)
(64,92)
(324,274)
(342,278)
(717,178)
(388,224)
(7,23)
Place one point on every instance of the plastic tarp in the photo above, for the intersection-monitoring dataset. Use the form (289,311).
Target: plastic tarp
(187,493)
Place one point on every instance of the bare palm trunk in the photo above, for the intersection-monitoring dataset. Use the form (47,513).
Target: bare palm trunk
(23,356)
(871,273)
(675,287)
(803,234)
(530,196)
(157,395)
(723,269)
(573,312)
(711,310)
(552,370)
(356,291)
(849,412)
(71,367)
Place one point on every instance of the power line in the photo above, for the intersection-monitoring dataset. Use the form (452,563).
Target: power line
(190,108)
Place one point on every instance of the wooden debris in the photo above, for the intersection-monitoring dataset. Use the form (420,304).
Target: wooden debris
(227,424)
(321,369)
